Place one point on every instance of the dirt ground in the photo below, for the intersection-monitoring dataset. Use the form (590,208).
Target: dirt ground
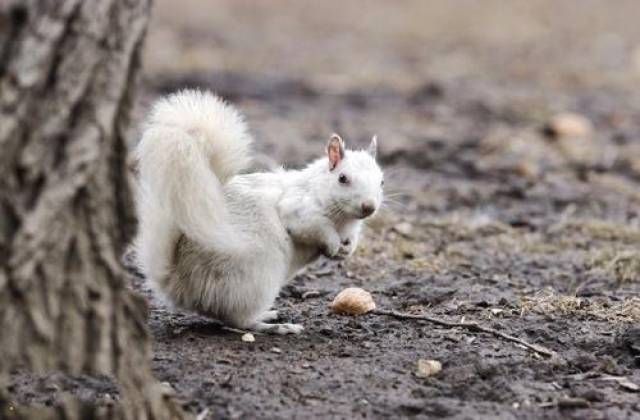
(491,216)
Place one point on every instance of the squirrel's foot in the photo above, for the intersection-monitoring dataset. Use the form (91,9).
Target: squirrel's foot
(346,249)
(331,247)
(278,328)
(330,251)
(343,252)
(269,316)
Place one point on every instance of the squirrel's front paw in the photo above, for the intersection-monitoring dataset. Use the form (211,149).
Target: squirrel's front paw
(344,250)
(331,250)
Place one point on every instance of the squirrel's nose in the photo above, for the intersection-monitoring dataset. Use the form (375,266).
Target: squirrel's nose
(368,208)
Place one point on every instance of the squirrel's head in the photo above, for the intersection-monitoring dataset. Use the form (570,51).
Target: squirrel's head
(354,179)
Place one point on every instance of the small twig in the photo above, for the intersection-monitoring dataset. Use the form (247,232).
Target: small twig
(566,403)
(238,330)
(471,326)
(203,414)
(183,325)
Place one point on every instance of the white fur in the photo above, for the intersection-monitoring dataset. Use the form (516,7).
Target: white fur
(224,244)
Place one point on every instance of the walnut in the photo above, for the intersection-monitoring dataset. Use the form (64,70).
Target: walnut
(353,301)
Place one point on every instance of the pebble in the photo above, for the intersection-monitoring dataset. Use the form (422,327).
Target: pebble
(568,124)
(428,368)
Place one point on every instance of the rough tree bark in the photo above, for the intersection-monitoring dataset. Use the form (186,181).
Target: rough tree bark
(66,72)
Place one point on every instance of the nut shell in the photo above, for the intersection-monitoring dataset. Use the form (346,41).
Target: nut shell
(353,301)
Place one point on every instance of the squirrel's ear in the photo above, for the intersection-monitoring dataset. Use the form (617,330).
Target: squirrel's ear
(335,151)
(373,147)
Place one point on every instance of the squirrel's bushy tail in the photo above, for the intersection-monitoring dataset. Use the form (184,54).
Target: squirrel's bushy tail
(191,145)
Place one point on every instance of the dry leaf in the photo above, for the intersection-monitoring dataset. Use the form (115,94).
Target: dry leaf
(623,382)
(628,385)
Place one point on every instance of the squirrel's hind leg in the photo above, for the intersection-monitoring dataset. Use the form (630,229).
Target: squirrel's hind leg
(277,328)
(258,324)
(269,316)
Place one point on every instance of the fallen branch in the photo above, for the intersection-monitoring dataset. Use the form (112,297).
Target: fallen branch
(471,326)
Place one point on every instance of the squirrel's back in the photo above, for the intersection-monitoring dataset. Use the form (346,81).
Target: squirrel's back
(192,144)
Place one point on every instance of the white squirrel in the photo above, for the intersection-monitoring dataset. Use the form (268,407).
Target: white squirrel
(221,243)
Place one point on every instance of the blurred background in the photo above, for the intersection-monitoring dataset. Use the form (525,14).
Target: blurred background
(339,45)
(519,92)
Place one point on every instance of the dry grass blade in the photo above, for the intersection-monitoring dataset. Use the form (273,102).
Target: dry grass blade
(549,302)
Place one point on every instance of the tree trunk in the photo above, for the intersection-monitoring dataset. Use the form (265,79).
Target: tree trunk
(67,69)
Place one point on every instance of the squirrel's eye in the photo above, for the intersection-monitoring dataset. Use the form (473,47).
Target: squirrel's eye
(343,179)
(382,183)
